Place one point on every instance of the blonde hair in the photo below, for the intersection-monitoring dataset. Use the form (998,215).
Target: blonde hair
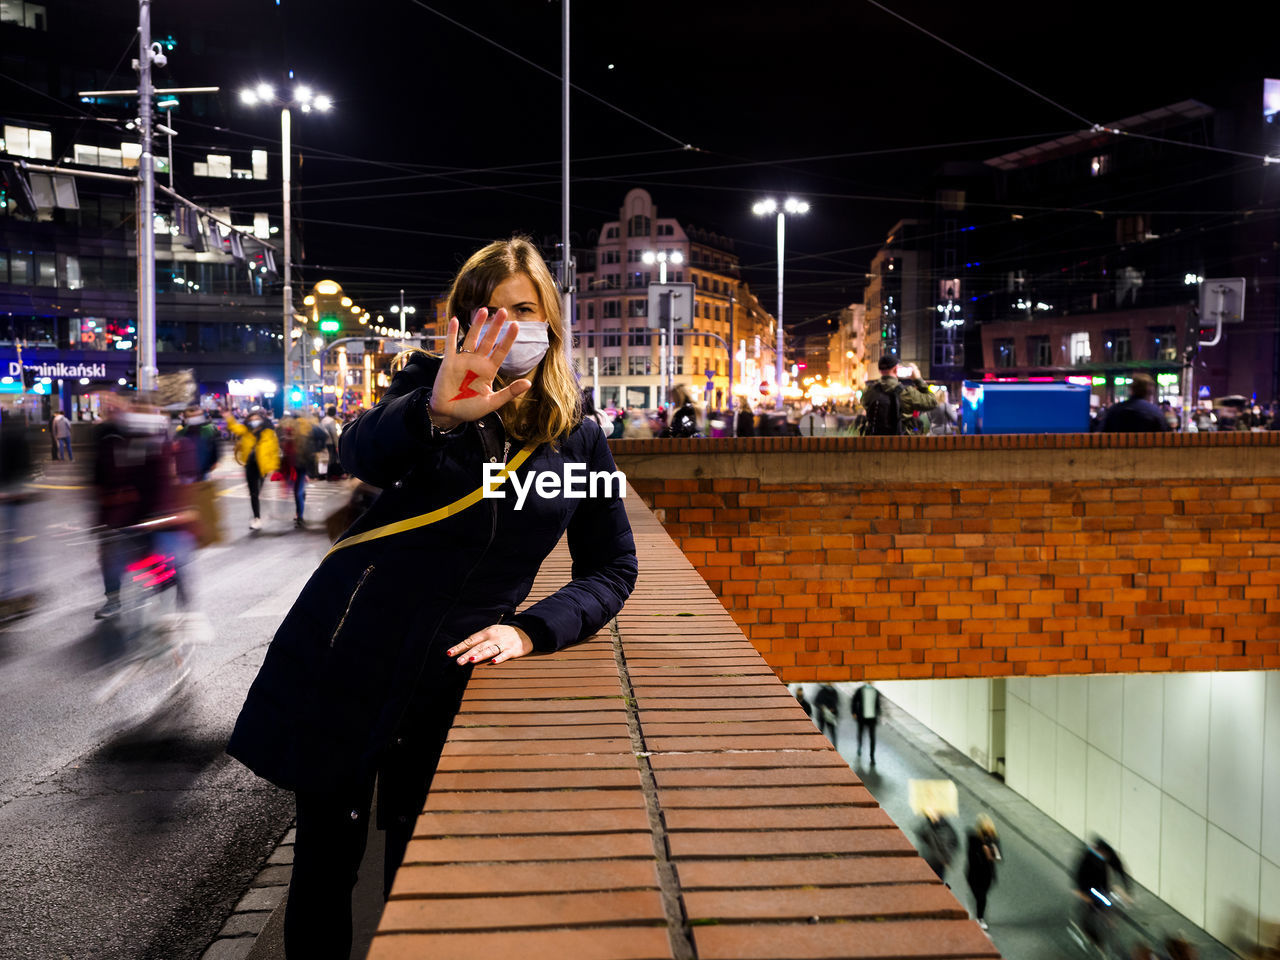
(553,405)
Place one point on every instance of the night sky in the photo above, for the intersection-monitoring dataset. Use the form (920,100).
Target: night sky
(472,135)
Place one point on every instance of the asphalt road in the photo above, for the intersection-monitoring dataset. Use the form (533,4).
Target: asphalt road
(122,839)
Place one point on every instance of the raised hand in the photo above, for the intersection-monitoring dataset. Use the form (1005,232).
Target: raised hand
(464,386)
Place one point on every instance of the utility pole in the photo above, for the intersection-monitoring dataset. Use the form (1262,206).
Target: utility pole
(286,187)
(566,254)
(147,369)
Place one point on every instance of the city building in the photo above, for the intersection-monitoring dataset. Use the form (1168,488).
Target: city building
(847,352)
(68,243)
(616,349)
(1084,256)
(898,309)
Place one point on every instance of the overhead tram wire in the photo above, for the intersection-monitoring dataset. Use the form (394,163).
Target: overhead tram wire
(425,175)
(1089,124)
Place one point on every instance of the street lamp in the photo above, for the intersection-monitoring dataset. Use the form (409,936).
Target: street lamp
(264,94)
(403,311)
(763,208)
(667,355)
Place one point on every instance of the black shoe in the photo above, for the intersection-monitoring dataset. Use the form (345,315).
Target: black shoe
(107,610)
(297,522)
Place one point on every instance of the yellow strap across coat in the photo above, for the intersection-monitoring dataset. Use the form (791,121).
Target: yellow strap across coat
(448,510)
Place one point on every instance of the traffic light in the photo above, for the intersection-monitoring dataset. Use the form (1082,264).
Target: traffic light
(330,326)
(295,396)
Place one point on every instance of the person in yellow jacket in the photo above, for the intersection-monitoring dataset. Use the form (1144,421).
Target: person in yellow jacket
(258,449)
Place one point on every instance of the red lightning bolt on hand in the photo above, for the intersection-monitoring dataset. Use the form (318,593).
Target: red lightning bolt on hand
(465,390)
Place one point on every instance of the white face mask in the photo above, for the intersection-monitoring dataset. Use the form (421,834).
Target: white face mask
(527,352)
(255,423)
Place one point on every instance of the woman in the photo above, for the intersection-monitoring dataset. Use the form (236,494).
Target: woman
(258,450)
(368,669)
(982,855)
(944,419)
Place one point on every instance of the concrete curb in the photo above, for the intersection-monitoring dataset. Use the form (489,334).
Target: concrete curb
(261,906)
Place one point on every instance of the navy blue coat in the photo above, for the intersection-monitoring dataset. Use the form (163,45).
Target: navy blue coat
(359,664)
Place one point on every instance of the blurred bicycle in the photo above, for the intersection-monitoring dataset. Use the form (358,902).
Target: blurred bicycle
(146,646)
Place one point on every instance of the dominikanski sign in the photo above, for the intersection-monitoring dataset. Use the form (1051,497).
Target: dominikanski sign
(60,370)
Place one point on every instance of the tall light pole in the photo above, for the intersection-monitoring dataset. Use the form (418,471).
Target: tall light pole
(666,357)
(302,95)
(764,207)
(404,312)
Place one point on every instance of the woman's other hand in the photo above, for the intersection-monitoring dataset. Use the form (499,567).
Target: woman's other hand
(493,644)
(464,386)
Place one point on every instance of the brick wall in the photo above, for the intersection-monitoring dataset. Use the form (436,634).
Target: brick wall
(844,558)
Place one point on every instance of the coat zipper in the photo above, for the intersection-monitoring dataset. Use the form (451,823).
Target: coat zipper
(359,583)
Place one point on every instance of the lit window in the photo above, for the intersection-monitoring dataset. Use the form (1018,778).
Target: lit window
(130,154)
(1080,348)
(259,164)
(85,155)
(26,142)
(24,14)
(219,165)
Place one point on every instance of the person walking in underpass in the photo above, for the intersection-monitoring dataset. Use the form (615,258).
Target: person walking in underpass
(983,853)
(827,706)
(866,711)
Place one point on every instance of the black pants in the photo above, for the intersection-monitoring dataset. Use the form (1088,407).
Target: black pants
(330,842)
(979,896)
(253,477)
(868,727)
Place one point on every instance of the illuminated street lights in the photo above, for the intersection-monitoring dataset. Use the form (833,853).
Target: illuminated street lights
(667,355)
(403,311)
(265,95)
(764,207)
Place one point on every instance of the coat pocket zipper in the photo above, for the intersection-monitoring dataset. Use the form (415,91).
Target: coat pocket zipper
(354,593)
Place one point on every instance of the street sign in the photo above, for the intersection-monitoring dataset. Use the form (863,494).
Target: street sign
(672,302)
(1222,297)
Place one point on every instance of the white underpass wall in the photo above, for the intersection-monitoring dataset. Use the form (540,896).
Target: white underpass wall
(1180,772)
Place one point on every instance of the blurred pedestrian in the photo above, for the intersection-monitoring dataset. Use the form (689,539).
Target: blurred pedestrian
(367,671)
(17,588)
(983,853)
(61,427)
(133,479)
(1098,872)
(944,419)
(827,704)
(201,437)
(332,431)
(746,425)
(866,712)
(803,700)
(258,451)
(1137,414)
(300,439)
(684,421)
(619,425)
(938,842)
(589,411)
